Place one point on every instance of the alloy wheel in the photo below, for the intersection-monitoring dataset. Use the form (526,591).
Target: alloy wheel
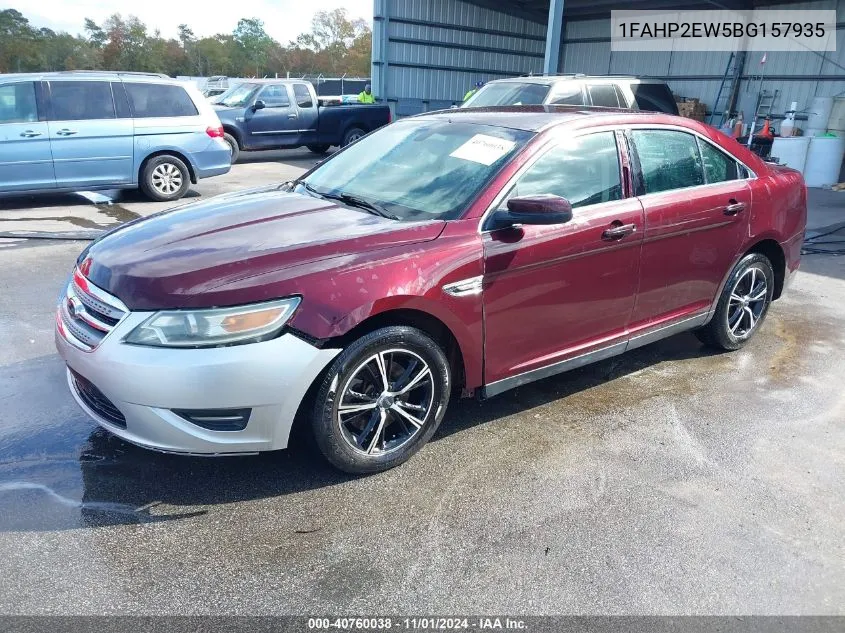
(385,402)
(747,302)
(167,178)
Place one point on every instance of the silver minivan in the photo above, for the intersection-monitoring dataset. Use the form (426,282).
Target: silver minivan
(84,131)
(633,93)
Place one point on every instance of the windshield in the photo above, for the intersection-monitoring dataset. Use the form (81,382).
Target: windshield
(417,170)
(508,93)
(238,96)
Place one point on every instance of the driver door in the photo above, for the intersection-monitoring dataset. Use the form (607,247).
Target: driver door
(562,292)
(277,123)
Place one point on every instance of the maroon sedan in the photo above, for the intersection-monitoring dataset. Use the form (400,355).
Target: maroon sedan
(466,251)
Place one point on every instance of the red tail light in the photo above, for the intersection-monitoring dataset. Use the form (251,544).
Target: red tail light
(215,132)
(389,116)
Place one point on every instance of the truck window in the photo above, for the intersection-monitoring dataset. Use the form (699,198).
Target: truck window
(274,96)
(157,100)
(302,96)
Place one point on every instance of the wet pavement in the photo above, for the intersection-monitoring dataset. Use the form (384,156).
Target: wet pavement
(670,480)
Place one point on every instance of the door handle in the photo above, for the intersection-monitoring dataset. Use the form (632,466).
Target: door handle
(66,132)
(30,133)
(618,230)
(291,116)
(734,207)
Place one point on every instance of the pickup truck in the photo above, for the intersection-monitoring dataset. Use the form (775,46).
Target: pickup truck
(283,113)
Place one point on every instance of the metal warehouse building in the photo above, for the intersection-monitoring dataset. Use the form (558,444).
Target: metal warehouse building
(428,53)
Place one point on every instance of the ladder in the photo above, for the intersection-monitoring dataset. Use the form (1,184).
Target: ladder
(765,101)
(727,78)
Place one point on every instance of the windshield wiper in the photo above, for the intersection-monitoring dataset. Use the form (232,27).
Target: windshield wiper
(352,201)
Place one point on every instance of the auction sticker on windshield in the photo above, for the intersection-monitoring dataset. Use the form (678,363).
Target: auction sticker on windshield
(483,149)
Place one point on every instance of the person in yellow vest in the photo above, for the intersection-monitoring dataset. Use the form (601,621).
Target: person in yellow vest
(473,90)
(366,96)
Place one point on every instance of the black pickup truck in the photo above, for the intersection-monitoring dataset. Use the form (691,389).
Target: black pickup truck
(281,114)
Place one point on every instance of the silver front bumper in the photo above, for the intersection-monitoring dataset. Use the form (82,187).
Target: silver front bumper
(146,383)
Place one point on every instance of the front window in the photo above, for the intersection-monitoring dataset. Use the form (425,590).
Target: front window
(274,96)
(239,96)
(508,93)
(417,170)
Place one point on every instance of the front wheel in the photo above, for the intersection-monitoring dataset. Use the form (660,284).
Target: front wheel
(743,304)
(381,400)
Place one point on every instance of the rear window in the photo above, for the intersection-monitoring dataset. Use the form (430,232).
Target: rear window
(302,95)
(17,103)
(81,100)
(654,98)
(159,100)
(508,93)
(604,95)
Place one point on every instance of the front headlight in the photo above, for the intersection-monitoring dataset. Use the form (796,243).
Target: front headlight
(213,327)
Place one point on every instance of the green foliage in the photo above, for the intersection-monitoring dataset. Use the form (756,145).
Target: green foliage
(334,46)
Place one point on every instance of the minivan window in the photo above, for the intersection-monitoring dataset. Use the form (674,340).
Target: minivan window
(654,97)
(604,95)
(584,170)
(508,93)
(567,93)
(81,100)
(274,96)
(17,103)
(302,95)
(668,159)
(159,100)
(718,166)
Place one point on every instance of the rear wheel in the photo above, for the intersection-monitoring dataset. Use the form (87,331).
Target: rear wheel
(381,400)
(743,305)
(352,135)
(318,149)
(233,146)
(165,178)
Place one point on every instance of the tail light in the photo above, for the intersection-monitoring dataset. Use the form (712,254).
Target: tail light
(215,132)
(389,115)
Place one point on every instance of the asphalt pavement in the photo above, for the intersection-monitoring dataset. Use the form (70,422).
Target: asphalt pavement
(672,480)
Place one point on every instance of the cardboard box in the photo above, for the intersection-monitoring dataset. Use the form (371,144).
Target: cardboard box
(692,109)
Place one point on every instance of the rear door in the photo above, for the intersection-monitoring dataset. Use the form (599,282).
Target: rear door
(25,158)
(91,146)
(553,293)
(277,123)
(697,208)
(306,110)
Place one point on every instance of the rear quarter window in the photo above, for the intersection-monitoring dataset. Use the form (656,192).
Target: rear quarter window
(654,98)
(159,100)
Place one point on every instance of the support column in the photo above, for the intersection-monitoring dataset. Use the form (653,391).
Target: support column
(554,37)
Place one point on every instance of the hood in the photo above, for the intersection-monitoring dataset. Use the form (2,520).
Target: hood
(183,257)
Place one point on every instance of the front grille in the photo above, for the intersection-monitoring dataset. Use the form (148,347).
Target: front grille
(87,313)
(97,401)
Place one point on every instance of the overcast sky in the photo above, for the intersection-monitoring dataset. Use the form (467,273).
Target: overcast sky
(283,19)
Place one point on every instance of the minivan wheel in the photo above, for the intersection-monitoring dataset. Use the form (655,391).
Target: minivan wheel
(233,146)
(318,149)
(743,304)
(165,178)
(381,400)
(353,135)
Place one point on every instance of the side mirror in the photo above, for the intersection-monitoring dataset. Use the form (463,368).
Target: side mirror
(543,208)
(258,105)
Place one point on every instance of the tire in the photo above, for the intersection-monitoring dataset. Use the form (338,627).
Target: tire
(379,435)
(352,135)
(737,318)
(233,145)
(165,178)
(318,149)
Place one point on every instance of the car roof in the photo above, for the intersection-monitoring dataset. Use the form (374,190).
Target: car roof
(535,118)
(548,79)
(91,74)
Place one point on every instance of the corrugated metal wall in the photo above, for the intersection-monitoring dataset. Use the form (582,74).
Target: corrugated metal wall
(428,53)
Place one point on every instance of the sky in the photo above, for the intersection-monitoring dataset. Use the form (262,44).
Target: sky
(283,19)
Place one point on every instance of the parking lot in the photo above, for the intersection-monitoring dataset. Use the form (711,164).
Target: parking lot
(671,480)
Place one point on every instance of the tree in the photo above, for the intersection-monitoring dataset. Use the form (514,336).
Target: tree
(255,43)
